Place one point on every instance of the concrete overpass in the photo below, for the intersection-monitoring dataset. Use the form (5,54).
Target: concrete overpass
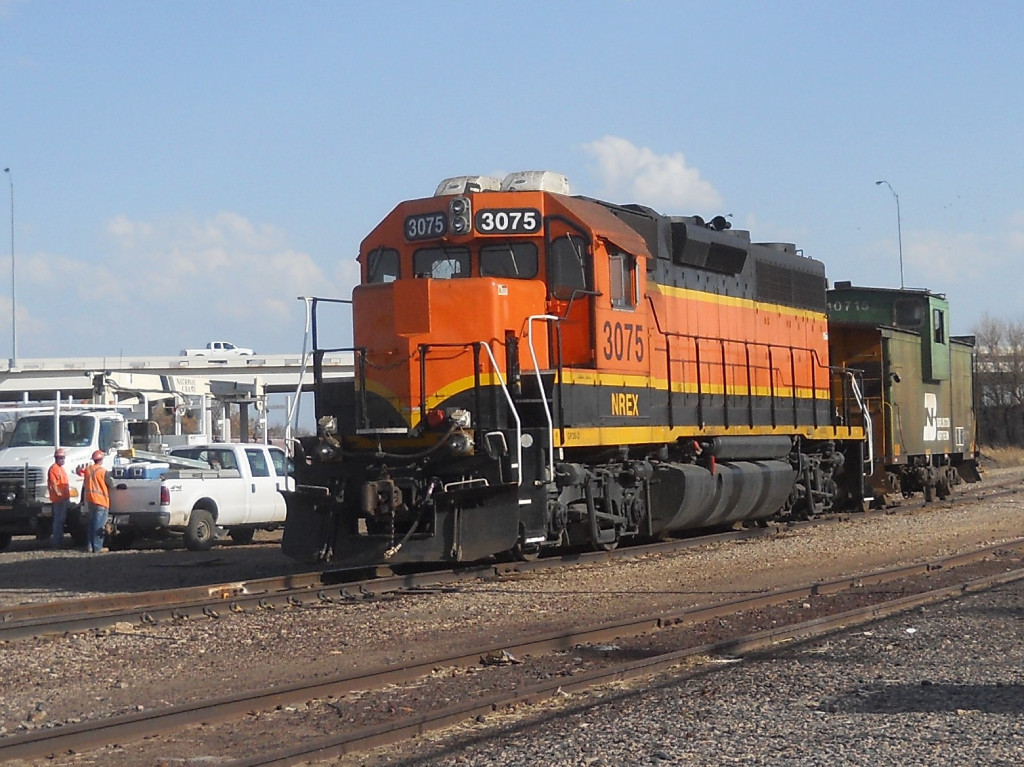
(189,381)
(272,373)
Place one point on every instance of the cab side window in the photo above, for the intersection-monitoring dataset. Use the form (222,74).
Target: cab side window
(258,463)
(106,435)
(620,280)
(280,462)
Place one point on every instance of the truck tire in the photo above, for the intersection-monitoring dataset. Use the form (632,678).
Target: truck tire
(79,529)
(201,531)
(242,534)
(119,540)
(5,540)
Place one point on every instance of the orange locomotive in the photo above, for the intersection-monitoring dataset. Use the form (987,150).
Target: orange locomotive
(539,370)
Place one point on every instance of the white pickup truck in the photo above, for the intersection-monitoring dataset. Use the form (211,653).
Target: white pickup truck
(219,349)
(200,490)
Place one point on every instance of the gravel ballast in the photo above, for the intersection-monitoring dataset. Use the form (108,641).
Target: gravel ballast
(55,680)
(942,685)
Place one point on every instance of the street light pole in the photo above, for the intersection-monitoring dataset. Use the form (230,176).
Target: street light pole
(14,313)
(899,226)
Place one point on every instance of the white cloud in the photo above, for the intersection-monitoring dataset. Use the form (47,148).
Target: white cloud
(165,284)
(961,265)
(637,174)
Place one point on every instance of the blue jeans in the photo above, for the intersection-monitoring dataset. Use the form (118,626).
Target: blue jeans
(97,524)
(60,515)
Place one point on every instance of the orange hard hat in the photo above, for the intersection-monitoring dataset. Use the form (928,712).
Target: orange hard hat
(98,455)
(59,453)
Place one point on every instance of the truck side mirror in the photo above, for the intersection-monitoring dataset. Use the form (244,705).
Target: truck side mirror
(116,437)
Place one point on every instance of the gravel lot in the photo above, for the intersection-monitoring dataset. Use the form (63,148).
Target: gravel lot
(65,679)
(943,685)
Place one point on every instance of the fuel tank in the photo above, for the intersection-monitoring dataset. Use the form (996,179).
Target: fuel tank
(686,496)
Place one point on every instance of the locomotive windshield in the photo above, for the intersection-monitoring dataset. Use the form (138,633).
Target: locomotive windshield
(441,263)
(383,265)
(517,260)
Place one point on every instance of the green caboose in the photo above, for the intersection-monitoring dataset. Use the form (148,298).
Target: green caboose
(917,382)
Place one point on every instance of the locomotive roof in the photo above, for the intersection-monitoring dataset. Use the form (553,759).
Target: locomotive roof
(605,223)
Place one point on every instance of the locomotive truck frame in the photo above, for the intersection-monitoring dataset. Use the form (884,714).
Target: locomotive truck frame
(536,371)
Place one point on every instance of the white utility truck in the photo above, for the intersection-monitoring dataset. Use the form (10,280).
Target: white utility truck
(24,500)
(200,490)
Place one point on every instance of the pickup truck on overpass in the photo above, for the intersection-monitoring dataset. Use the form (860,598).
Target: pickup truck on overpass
(218,349)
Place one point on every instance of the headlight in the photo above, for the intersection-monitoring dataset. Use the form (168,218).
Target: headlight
(460,444)
(461,214)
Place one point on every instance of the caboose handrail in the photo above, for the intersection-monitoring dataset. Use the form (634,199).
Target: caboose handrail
(540,389)
(868,431)
(515,413)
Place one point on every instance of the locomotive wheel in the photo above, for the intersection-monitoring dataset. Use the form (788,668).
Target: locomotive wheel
(522,553)
(201,531)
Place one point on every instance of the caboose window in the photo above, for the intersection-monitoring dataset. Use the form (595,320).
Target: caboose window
(567,266)
(517,260)
(939,325)
(907,313)
(620,280)
(382,265)
(441,263)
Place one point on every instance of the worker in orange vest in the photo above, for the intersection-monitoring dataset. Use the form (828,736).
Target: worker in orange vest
(60,495)
(96,486)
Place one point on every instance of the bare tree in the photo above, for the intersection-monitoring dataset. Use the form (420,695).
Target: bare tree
(1000,381)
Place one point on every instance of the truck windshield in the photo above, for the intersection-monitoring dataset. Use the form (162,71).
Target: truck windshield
(37,431)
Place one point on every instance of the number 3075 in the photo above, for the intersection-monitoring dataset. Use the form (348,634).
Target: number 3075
(623,341)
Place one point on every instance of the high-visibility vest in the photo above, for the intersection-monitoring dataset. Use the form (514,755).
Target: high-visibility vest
(94,486)
(57,483)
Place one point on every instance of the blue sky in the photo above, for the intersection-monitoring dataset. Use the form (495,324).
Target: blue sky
(184,170)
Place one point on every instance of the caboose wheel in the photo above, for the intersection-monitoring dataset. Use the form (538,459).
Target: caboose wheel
(609,545)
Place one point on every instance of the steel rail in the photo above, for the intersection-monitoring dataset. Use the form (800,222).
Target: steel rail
(213,601)
(122,728)
(394,732)
(151,607)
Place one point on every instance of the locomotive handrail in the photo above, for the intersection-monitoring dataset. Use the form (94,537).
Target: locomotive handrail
(359,353)
(769,347)
(540,389)
(512,407)
(476,346)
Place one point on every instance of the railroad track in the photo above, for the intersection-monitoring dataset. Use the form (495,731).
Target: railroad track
(332,586)
(338,586)
(778,616)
